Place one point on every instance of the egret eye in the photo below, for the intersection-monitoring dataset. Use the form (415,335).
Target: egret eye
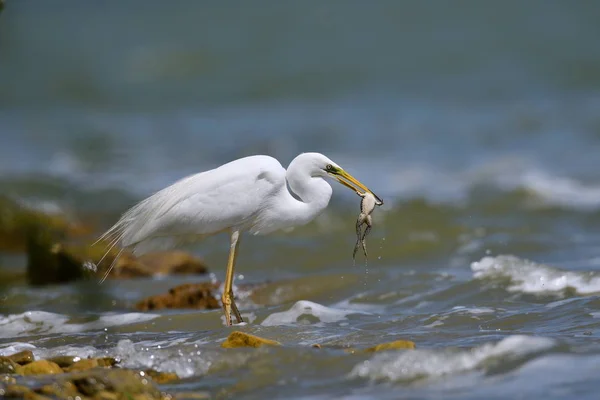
(329,168)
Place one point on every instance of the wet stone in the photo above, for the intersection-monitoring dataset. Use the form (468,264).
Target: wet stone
(7,379)
(17,391)
(90,363)
(8,366)
(241,339)
(161,377)
(97,382)
(64,361)
(41,367)
(22,357)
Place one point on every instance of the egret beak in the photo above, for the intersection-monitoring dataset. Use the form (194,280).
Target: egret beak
(351,182)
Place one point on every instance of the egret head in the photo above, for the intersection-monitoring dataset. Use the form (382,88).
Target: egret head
(322,166)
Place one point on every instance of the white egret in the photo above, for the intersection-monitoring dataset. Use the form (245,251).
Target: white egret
(253,194)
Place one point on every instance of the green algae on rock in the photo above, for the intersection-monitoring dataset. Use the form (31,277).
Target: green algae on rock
(395,345)
(242,339)
(41,367)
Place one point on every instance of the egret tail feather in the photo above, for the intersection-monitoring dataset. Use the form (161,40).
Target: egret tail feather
(110,267)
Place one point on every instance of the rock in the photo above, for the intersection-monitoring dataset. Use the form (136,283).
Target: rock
(104,395)
(161,377)
(61,390)
(41,367)
(105,383)
(7,379)
(12,277)
(241,339)
(51,261)
(8,366)
(192,396)
(16,221)
(48,262)
(22,357)
(396,345)
(173,262)
(18,392)
(64,361)
(189,295)
(90,363)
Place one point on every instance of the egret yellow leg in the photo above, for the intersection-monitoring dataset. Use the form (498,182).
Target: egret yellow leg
(227,298)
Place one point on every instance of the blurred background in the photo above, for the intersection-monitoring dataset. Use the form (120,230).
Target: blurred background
(471,110)
(419,99)
(478,122)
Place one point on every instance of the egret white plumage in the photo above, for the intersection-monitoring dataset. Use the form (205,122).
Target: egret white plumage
(253,194)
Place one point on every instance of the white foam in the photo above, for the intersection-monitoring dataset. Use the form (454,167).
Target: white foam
(44,323)
(530,277)
(431,363)
(304,312)
(173,355)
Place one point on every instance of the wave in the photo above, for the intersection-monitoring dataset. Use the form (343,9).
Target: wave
(529,277)
(406,366)
(306,312)
(32,323)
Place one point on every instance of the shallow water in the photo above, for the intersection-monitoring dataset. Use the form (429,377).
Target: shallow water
(477,123)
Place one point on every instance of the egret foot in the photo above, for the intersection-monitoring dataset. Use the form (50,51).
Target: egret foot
(228,306)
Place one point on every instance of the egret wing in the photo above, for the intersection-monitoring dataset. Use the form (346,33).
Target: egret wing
(200,205)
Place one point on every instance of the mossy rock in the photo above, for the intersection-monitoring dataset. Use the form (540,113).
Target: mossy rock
(22,357)
(16,222)
(60,390)
(8,366)
(395,345)
(89,363)
(190,295)
(106,383)
(49,263)
(41,367)
(64,361)
(161,377)
(241,339)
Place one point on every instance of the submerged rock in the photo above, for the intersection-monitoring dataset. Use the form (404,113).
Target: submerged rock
(8,366)
(242,339)
(61,390)
(161,377)
(123,383)
(97,378)
(189,295)
(395,345)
